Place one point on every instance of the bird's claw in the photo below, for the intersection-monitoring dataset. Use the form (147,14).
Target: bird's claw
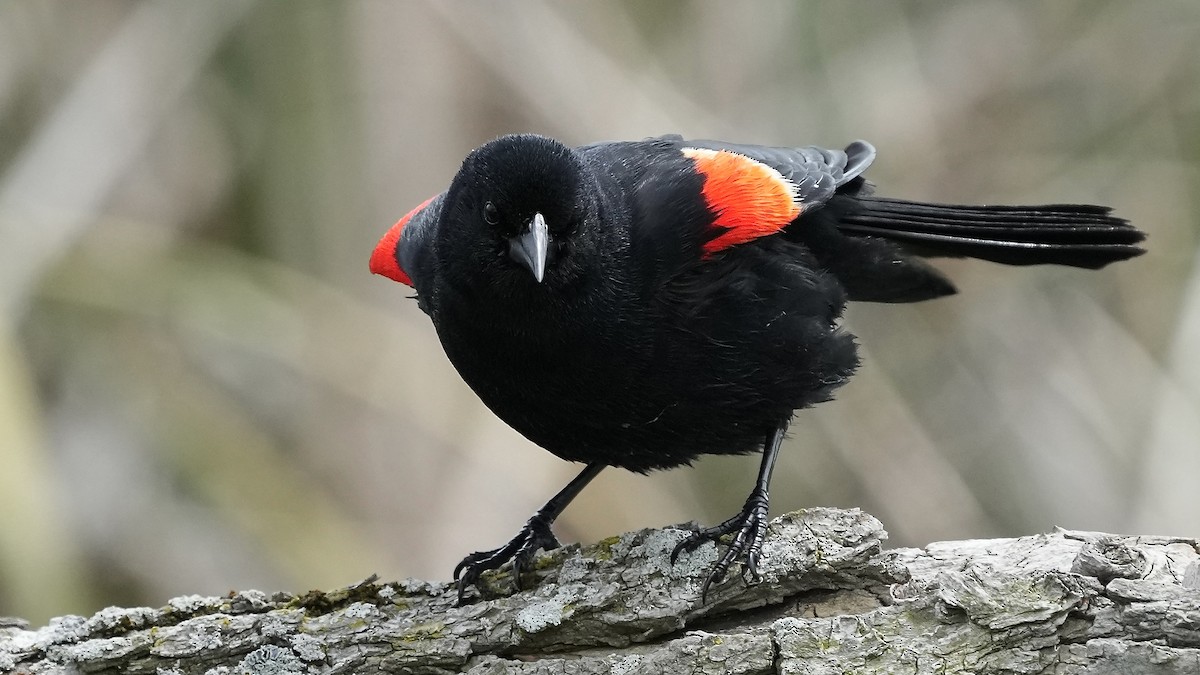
(749,529)
(534,536)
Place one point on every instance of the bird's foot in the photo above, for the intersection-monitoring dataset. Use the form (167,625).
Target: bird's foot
(535,535)
(749,529)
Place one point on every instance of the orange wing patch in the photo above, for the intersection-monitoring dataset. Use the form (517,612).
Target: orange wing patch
(749,198)
(383,258)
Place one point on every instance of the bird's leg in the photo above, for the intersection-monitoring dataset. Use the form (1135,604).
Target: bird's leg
(535,535)
(749,527)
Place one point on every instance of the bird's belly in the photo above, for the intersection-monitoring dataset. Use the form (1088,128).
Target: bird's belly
(590,400)
(582,404)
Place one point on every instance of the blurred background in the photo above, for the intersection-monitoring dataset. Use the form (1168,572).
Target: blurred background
(203,389)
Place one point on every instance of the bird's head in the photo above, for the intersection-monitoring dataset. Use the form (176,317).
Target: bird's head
(517,207)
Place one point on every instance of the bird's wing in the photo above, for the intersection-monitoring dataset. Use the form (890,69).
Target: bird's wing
(754,191)
(400,255)
(817,172)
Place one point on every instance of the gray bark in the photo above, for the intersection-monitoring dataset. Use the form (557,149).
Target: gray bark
(832,600)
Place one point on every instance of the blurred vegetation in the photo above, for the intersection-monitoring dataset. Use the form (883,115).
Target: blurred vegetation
(201,387)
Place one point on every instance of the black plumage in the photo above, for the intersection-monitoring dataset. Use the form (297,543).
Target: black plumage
(639,304)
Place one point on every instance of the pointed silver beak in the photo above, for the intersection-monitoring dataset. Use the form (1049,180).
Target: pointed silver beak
(529,247)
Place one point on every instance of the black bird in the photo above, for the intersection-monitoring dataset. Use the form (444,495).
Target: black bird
(639,304)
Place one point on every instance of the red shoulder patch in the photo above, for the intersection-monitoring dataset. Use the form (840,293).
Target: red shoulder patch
(749,198)
(383,258)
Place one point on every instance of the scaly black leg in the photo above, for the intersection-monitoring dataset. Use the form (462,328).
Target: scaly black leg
(535,535)
(749,526)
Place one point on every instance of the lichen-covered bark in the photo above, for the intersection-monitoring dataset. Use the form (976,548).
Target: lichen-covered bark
(832,600)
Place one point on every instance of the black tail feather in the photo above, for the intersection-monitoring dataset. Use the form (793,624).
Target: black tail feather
(1078,235)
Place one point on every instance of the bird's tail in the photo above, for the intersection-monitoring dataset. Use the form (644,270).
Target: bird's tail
(1062,234)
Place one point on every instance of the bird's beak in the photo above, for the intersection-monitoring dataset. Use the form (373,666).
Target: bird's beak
(529,247)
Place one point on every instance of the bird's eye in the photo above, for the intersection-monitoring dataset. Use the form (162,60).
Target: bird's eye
(491,215)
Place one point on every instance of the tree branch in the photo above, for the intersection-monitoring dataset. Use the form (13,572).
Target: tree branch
(832,600)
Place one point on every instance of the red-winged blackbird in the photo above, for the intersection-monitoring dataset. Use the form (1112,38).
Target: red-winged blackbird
(639,304)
